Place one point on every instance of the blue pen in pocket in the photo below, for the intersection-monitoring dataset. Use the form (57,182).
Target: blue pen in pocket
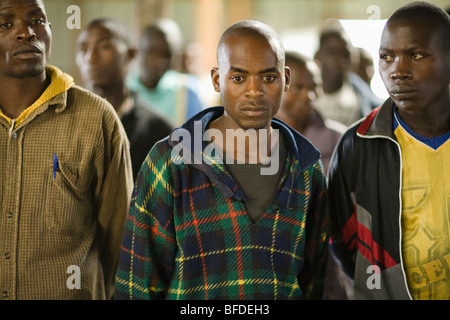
(55,165)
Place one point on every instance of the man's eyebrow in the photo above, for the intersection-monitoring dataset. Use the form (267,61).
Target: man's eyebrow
(236,69)
(268,70)
(7,15)
(240,70)
(409,49)
(100,40)
(385,49)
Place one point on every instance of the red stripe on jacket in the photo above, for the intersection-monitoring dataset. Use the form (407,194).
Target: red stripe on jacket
(362,237)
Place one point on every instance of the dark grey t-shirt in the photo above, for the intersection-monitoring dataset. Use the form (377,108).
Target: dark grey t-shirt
(259,189)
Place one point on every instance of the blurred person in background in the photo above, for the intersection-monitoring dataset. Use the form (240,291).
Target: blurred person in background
(364,67)
(172,93)
(104,53)
(347,98)
(298,111)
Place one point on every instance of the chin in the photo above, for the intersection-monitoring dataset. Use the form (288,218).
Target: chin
(256,125)
(31,72)
(408,106)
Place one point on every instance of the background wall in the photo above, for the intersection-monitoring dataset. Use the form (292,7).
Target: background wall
(203,21)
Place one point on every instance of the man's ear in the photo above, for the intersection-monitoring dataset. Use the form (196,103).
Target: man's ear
(215,78)
(287,76)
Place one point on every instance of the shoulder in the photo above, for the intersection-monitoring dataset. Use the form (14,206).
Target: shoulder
(298,146)
(84,99)
(158,160)
(86,107)
(143,118)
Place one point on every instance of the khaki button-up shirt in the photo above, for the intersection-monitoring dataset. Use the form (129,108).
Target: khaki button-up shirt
(66,183)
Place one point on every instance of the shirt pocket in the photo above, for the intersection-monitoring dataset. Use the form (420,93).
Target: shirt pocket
(69,208)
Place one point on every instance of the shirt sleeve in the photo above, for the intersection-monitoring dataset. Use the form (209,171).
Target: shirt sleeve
(148,248)
(113,197)
(317,233)
(342,205)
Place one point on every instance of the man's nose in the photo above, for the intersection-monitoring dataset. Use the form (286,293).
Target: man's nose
(253,87)
(91,54)
(401,69)
(25,32)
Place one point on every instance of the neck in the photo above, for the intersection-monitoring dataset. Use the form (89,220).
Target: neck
(151,80)
(429,122)
(240,144)
(17,94)
(298,123)
(332,84)
(115,94)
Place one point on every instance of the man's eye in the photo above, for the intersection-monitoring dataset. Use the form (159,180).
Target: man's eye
(82,49)
(38,21)
(6,25)
(269,78)
(237,79)
(416,56)
(386,58)
(105,46)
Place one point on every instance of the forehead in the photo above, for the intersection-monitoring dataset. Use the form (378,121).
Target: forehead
(248,50)
(95,33)
(333,40)
(409,34)
(303,73)
(154,38)
(10,6)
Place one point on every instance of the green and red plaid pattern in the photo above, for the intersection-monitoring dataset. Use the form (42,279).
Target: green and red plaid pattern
(188,235)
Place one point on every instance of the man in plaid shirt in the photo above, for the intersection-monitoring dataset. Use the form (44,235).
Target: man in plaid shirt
(203,228)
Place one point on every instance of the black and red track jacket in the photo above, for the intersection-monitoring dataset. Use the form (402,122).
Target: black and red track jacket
(365,203)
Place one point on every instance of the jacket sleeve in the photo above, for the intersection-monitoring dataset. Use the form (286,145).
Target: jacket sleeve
(113,195)
(342,205)
(148,248)
(317,233)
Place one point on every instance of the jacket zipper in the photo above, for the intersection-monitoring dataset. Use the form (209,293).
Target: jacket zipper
(400,202)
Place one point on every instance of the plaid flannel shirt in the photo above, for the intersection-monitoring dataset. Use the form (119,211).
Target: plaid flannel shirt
(188,235)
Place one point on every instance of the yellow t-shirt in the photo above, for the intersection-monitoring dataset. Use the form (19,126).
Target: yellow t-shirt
(425,214)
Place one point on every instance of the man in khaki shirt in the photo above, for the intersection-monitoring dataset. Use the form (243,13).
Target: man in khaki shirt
(65,171)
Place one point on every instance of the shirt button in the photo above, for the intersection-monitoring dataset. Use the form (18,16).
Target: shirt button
(7,256)
(9,215)
(5,294)
(14,135)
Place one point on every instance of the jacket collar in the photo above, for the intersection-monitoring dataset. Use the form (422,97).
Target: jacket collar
(299,146)
(55,94)
(301,152)
(378,122)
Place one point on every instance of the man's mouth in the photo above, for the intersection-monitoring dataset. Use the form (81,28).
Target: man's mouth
(254,110)
(28,51)
(402,91)
(93,72)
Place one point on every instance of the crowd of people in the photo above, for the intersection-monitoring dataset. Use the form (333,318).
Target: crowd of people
(105,177)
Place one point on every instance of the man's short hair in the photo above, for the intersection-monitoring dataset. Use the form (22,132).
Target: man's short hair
(254,27)
(168,30)
(118,29)
(302,60)
(421,10)
(295,57)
